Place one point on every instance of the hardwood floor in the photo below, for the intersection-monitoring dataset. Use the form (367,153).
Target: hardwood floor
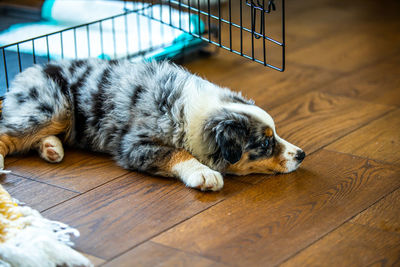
(339,99)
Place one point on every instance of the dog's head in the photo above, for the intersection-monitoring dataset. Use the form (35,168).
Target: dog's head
(244,141)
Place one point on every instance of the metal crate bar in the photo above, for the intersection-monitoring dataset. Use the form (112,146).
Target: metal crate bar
(223,25)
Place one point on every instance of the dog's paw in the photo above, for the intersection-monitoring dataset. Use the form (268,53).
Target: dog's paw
(51,149)
(205,179)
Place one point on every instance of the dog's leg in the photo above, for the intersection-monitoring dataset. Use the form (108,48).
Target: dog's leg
(168,161)
(194,174)
(12,141)
(50,149)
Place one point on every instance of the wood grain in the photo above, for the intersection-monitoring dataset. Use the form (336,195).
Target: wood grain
(131,209)
(266,224)
(79,171)
(94,260)
(351,245)
(340,87)
(357,48)
(384,215)
(317,119)
(11,159)
(378,83)
(36,4)
(378,140)
(250,179)
(152,254)
(271,88)
(36,195)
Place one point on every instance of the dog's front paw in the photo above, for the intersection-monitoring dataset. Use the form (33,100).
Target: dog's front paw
(205,179)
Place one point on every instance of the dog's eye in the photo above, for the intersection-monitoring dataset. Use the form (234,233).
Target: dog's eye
(265,144)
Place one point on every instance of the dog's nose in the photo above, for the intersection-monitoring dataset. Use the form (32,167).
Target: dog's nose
(300,155)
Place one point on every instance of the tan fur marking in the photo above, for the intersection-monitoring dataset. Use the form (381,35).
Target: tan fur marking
(268,166)
(268,132)
(11,144)
(177,157)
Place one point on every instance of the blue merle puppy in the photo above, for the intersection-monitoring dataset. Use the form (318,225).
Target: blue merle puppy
(151,117)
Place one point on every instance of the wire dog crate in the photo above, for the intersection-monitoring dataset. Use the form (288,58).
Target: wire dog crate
(162,29)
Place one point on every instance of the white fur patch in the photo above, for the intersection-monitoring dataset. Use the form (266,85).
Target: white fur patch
(2,171)
(51,149)
(289,154)
(253,110)
(201,99)
(196,175)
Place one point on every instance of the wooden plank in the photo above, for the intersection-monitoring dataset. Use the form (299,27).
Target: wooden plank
(131,209)
(79,171)
(378,140)
(250,179)
(36,4)
(11,159)
(152,254)
(384,215)
(271,88)
(351,245)
(94,260)
(348,51)
(378,83)
(313,20)
(36,195)
(317,119)
(267,223)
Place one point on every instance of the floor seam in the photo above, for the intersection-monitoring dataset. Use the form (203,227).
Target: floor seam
(42,182)
(355,129)
(174,225)
(335,228)
(364,157)
(82,193)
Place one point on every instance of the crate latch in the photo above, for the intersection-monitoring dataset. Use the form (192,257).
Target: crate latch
(259,6)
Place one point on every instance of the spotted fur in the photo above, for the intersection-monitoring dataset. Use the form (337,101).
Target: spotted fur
(152,117)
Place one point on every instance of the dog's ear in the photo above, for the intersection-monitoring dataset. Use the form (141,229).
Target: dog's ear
(231,133)
(229,140)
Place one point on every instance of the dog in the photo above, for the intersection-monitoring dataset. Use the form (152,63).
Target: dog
(153,117)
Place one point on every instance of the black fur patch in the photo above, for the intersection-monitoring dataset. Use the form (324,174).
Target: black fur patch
(238,99)
(169,93)
(136,95)
(230,141)
(75,65)
(149,157)
(33,93)
(33,120)
(113,62)
(21,98)
(45,108)
(79,116)
(228,133)
(99,99)
(123,132)
(55,73)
